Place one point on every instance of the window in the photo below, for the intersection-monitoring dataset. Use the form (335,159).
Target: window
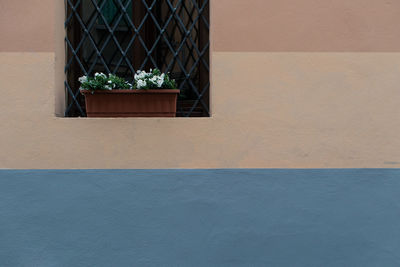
(123,36)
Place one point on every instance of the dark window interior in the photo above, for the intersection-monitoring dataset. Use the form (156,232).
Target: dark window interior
(123,36)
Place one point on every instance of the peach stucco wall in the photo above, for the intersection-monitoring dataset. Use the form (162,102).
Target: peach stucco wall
(307,25)
(27,25)
(320,102)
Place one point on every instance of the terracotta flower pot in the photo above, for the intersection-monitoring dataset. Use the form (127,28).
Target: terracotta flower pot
(131,103)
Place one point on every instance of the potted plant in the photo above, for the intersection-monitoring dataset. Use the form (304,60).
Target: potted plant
(153,94)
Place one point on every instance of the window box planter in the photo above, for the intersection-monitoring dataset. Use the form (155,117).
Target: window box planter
(131,103)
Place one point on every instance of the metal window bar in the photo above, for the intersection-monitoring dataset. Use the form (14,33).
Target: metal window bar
(123,36)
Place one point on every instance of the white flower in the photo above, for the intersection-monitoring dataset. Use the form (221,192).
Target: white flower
(108,87)
(100,74)
(143,78)
(141,84)
(83,79)
(160,82)
(140,75)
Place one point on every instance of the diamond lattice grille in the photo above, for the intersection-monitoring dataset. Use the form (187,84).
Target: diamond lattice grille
(123,36)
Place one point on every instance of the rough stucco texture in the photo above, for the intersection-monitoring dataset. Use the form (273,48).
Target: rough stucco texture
(200,218)
(306,110)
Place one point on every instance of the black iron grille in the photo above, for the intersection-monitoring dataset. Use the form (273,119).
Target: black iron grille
(123,36)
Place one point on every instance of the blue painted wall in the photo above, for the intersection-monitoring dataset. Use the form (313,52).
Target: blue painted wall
(200,218)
